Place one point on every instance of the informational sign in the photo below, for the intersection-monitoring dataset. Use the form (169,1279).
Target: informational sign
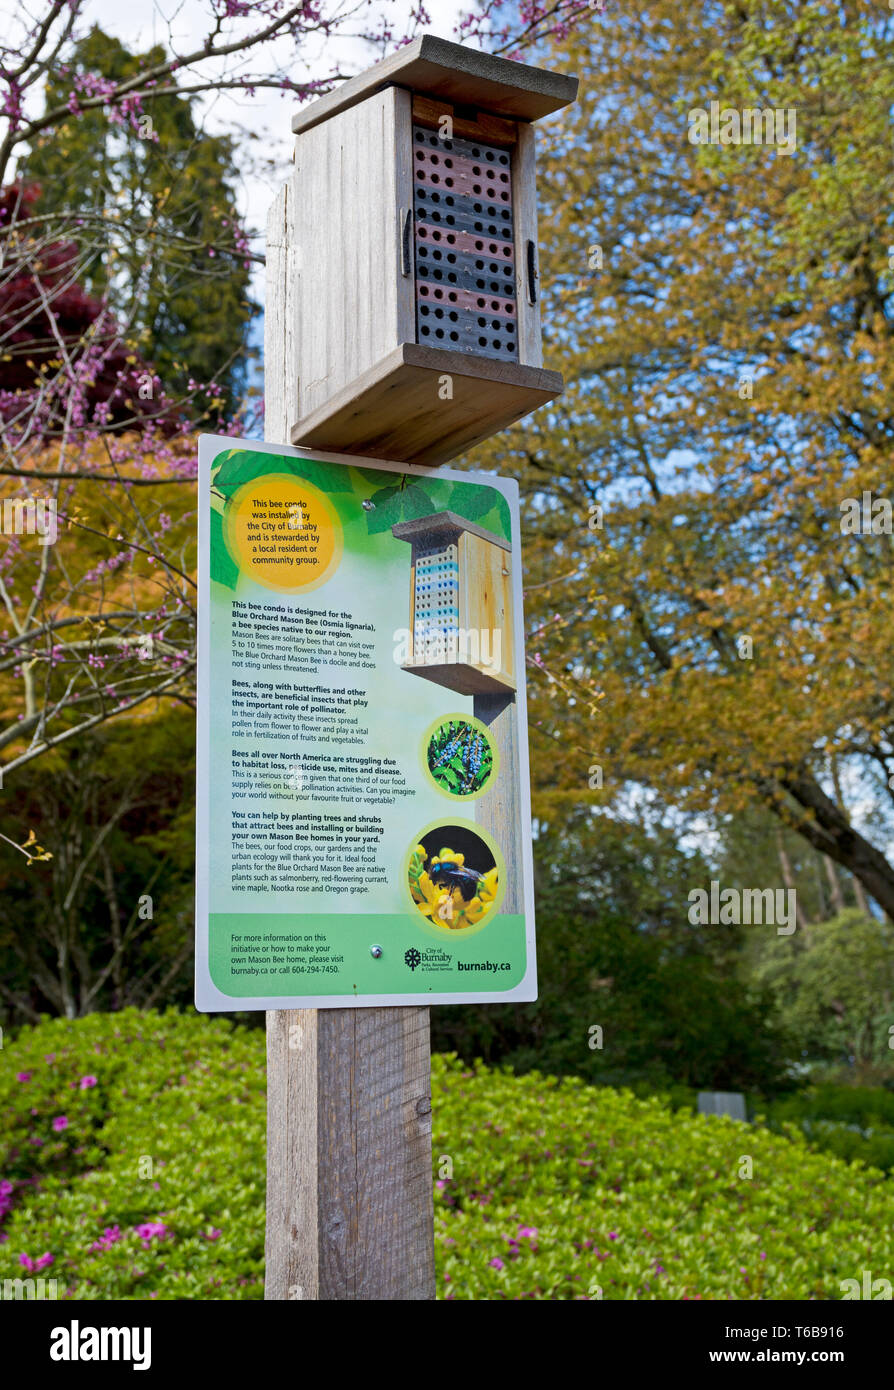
(360,642)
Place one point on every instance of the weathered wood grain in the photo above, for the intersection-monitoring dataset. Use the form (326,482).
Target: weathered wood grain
(496,811)
(395,409)
(524,203)
(495,130)
(375,1195)
(353,305)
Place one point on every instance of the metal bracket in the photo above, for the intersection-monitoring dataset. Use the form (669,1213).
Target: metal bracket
(406,241)
(531,258)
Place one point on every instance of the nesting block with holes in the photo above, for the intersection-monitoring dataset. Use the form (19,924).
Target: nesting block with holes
(460,604)
(419,309)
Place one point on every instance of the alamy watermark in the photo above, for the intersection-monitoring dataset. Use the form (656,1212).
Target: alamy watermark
(433,645)
(874,1289)
(19,1290)
(725,125)
(29,516)
(752,906)
(866,516)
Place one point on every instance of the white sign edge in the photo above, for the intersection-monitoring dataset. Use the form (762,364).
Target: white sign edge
(208,998)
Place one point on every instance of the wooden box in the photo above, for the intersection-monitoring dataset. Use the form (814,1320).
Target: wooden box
(460,604)
(419,307)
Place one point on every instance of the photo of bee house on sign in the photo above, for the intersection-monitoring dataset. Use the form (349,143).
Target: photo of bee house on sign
(460,604)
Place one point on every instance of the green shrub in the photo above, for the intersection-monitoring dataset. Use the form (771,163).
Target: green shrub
(638,1200)
(558,1189)
(164,1154)
(853,1122)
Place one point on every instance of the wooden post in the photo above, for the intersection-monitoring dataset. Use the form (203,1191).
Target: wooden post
(350,1211)
(494,811)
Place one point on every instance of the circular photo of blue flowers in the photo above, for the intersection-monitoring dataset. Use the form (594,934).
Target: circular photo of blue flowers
(459,756)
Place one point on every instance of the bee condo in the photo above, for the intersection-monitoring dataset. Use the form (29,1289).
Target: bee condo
(460,605)
(420,310)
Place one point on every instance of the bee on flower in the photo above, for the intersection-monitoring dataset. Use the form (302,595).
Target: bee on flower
(449,892)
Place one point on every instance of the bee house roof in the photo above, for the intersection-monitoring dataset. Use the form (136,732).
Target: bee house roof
(457,74)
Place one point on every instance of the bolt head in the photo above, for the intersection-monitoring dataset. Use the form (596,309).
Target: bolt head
(375,952)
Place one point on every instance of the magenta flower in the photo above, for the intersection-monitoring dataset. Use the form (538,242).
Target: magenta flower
(60,1122)
(86,1082)
(613,1235)
(40,1263)
(496,1262)
(23,1076)
(151,1230)
(110,1236)
(212,1234)
(527,1232)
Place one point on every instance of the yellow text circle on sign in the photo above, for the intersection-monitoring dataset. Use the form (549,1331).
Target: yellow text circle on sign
(283,532)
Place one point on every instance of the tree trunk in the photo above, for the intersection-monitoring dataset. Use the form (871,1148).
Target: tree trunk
(788,878)
(834,885)
(826,827)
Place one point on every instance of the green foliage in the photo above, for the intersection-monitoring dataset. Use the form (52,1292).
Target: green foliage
(407,500)
(223,568)
(615,950)
(116,811)
(834,983)
(568,1188)
(556,1187)
(184,1093)
(853,1122)
(240,466)
(404,501)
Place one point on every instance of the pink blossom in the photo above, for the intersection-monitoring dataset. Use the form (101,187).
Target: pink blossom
(110,1236)
(40,1263)
(151,1230)
(60,1122)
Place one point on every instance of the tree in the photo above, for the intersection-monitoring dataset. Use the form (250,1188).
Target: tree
(836,989)
(109,910)
(173,262)
(703,623)
(628,991)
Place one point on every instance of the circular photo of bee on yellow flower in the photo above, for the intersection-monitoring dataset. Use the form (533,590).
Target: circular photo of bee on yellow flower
(453,878)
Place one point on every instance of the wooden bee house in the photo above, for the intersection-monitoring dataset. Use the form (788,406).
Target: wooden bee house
(418,308)
(460,605)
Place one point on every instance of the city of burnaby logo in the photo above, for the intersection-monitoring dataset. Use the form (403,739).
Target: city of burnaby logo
(412,958)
